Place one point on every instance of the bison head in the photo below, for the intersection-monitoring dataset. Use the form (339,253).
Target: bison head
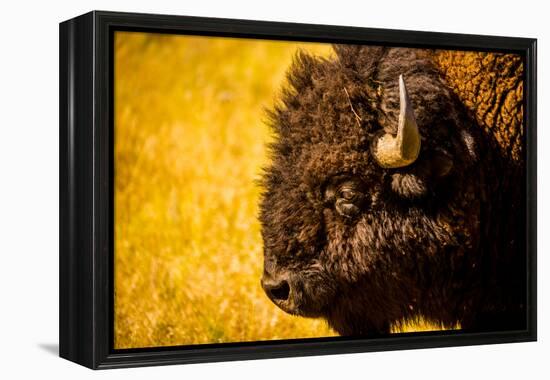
(366,187)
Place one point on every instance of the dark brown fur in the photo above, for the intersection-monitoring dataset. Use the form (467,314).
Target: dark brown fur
(427,239)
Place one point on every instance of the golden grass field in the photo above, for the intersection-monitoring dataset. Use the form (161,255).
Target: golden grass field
(190,142)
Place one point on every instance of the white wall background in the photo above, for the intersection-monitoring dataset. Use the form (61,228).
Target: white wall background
(29,187)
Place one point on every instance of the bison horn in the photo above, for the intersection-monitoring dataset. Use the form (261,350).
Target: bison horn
(403,149)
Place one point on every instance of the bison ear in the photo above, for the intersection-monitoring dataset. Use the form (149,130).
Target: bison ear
(416,182)
(441,164)
(409,185)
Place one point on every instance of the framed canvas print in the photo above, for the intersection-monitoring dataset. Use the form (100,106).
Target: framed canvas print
(237,189)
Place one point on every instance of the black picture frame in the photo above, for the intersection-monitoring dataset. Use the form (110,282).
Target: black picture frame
(86,187)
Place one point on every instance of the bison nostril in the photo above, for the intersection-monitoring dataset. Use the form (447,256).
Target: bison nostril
(280,291)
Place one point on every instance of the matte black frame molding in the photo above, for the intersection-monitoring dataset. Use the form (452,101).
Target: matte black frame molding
(86,187)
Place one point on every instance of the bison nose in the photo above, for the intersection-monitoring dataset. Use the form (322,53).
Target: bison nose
(277,290)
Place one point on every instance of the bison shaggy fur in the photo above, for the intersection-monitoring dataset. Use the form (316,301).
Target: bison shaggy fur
(367,247)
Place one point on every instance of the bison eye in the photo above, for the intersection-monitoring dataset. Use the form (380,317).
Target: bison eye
(347,194)
(346,209)
(347,198)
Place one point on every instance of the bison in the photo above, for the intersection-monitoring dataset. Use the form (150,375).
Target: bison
(395,190)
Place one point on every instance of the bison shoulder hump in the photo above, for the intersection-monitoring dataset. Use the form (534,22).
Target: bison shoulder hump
(490,85)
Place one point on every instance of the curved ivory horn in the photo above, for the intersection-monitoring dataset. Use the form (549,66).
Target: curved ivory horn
(403,149)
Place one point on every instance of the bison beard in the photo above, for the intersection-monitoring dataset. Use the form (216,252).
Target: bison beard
(367,241)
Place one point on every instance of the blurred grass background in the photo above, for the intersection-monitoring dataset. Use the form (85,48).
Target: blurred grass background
(190,139)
